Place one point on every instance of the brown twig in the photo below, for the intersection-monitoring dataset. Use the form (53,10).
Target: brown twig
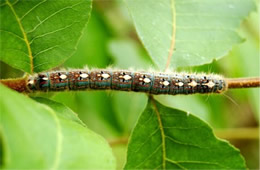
(19,84)
(243,82)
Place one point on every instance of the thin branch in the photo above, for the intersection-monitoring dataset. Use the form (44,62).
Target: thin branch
(238,133)
(19,84)
(243,82)
(118,141)
(228,134)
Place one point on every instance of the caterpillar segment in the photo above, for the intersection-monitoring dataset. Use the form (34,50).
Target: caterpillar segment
(125,80)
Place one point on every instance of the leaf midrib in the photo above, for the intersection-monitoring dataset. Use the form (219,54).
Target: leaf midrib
(24,35)
(164,159)
(172,46)
(162,133)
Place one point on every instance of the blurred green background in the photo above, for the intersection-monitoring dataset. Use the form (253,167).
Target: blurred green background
(110,40)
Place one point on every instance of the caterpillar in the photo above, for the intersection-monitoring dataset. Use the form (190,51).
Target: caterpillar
(126,80)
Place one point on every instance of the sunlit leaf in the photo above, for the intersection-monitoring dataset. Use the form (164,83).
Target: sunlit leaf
(188,32)
(39,35)
(127,54)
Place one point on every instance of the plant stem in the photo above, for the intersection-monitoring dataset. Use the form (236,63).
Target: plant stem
(118,141)
(243,82)
(238,133)
(19,84)
(251,133)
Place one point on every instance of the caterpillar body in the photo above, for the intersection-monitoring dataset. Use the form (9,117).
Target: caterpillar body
(125,80)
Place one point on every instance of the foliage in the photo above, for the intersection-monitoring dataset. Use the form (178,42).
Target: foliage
(38,136)
(188,32)
(43,33)
(174,143)
(43,130)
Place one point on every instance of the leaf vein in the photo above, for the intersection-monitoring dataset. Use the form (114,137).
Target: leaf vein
(147,139)
(206,28)
(12,33)
(175,163)
(173,36)
(41,64)
(203,162)
(150,117)
(155,151)
(51,15)
(17,50)
(162,133)
(182,128)
(30,10)
(47,49)
(187,144)
(207,15)
(51,32)
(24,34)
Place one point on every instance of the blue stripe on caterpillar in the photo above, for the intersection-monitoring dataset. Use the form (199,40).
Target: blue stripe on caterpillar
(125,80)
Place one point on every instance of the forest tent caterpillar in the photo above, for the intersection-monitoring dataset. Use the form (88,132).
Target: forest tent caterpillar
(125,80)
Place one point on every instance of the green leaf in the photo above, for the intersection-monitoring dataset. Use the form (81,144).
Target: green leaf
(35,137)
(168,138)
(128,112)
(60,109)
(186,33)
(95,35)
(39,35)
(127,54)
(196,105)
(245,61)
(95,108)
